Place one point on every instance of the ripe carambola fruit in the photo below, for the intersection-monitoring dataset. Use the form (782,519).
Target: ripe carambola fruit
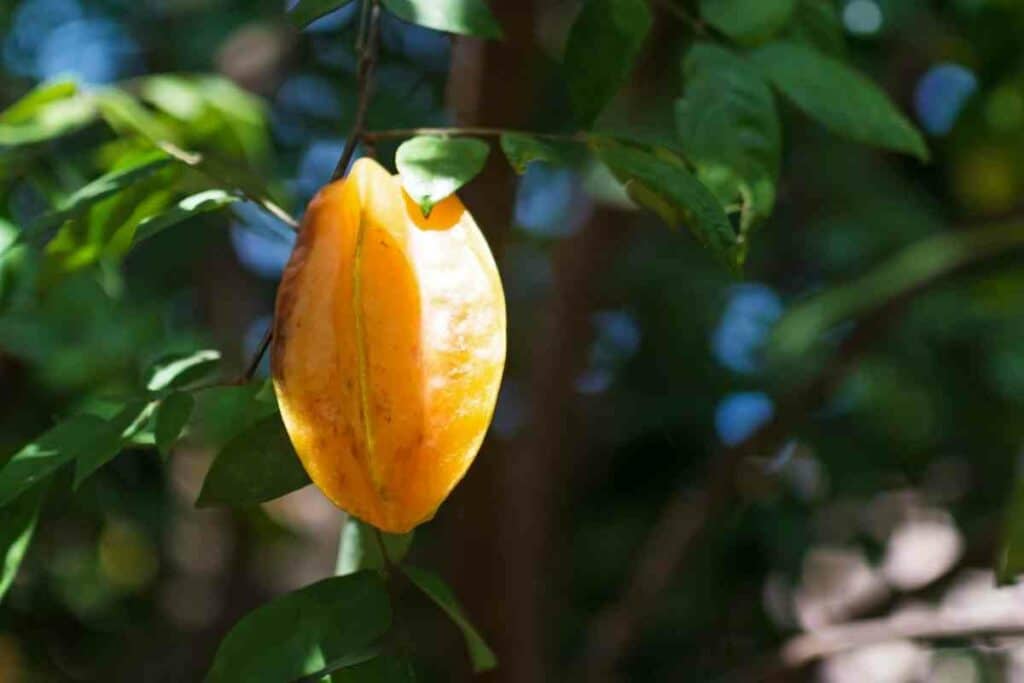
(389,346)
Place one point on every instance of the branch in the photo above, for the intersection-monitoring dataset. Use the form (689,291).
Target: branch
(687,516)
(367,46)
(942,622)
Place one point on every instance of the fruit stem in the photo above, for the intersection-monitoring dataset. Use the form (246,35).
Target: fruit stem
(366,45)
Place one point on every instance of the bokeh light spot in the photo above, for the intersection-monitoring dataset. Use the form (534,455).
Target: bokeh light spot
(862,17)
(741,414)
(941,94)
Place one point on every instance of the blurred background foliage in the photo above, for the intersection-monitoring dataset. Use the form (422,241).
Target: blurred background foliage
(895,487)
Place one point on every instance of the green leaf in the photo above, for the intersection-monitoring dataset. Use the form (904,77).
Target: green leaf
(171,417)
(468,17)
(603,43)
(663,184)
(841,99)
(183,210)
(224,412)
(432,168)
(305,12)
(17,525)
(234,177)
(48,111)
(816,23)
(747,21)
(180,369)
(521,150)
(729,127)
(127,116)
(302,633)
(106,229)
(358,547)
(107,442)
(256,466)
(437,590)
(36,100)
(132,171)
(65,442)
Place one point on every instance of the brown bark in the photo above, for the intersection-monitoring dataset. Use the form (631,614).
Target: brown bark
(490,579)
(502,520)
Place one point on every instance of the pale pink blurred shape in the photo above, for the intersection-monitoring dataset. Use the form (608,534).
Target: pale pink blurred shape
(836,585)
(921,549)
(976,590)
(897,661)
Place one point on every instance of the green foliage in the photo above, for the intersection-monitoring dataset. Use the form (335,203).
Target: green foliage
(256,466)
(17,525)
(170,419)
(181,369)
(730,128)
(432,167)
(437,590)
(224,412)
(330,624)
(816,23)
(108,442)
(305,12)
(183,210)
(838,97)
(49,111)
(521,150)
(468,17)
(747,21)
(74,438)
(359,548)
(661,182)
(602,46)
(128,172)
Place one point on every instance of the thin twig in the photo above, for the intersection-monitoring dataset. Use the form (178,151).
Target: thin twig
(365,69)
(475,131)
(1007,617)
(254,362)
